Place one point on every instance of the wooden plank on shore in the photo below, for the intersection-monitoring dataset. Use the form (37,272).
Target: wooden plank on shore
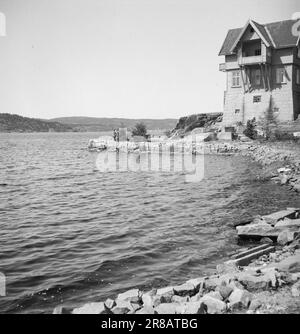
(245,260)
(249,251)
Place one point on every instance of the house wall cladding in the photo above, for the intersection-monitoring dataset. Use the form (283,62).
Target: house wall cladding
(240,106)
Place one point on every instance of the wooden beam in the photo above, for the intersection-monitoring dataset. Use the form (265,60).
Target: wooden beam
(263,76)
(242,75)
(248,73)
(269,76)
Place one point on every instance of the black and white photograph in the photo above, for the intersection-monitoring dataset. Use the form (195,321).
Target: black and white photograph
(149,160)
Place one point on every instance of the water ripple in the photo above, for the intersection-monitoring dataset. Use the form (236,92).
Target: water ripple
(72,234)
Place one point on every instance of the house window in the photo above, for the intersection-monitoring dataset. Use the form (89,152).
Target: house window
(237,111)
(280,75)
(257,99)
(257,52)
(236,79)
(276,111)
(298,76)
(256,77)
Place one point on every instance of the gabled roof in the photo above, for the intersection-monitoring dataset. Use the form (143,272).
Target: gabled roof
(276,34)
(260,30)
(264,33)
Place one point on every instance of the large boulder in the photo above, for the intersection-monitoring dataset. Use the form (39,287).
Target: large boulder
(166,294)
(262,230)
(262,281)
(62,310)
(197,297)
(179,299)
(255,230)
(133,295)
(192,308)
(286,237)
(124,307)
(166,308)
(288,223)
(240,299)
(273,218)
(150,299)
(290,264)
(215,294)
(213,306)
(186,289)
(198,283)
(91,308)
(255,304)
(225,290)
(213,282)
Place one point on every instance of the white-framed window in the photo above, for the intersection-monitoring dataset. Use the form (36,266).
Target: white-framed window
(236,78)
(256,77)
(280,75)
(298,75)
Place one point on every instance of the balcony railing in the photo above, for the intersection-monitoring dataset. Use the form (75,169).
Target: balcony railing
(222,67)
(253,60)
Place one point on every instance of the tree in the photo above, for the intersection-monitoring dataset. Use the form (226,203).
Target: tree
(251,131)
(268,122)
(140,129)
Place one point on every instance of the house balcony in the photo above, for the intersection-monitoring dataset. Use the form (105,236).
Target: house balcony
(254,60)
(222,67)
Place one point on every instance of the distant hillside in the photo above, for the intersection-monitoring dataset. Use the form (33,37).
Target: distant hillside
(107,124)
(16,123)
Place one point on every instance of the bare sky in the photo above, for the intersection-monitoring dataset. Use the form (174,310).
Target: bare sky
(120,58)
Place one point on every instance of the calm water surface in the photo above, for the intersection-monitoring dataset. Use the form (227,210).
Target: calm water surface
(70,234)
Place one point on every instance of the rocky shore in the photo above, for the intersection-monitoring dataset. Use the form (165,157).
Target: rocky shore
(263,279)
(280,162)
(270,283)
